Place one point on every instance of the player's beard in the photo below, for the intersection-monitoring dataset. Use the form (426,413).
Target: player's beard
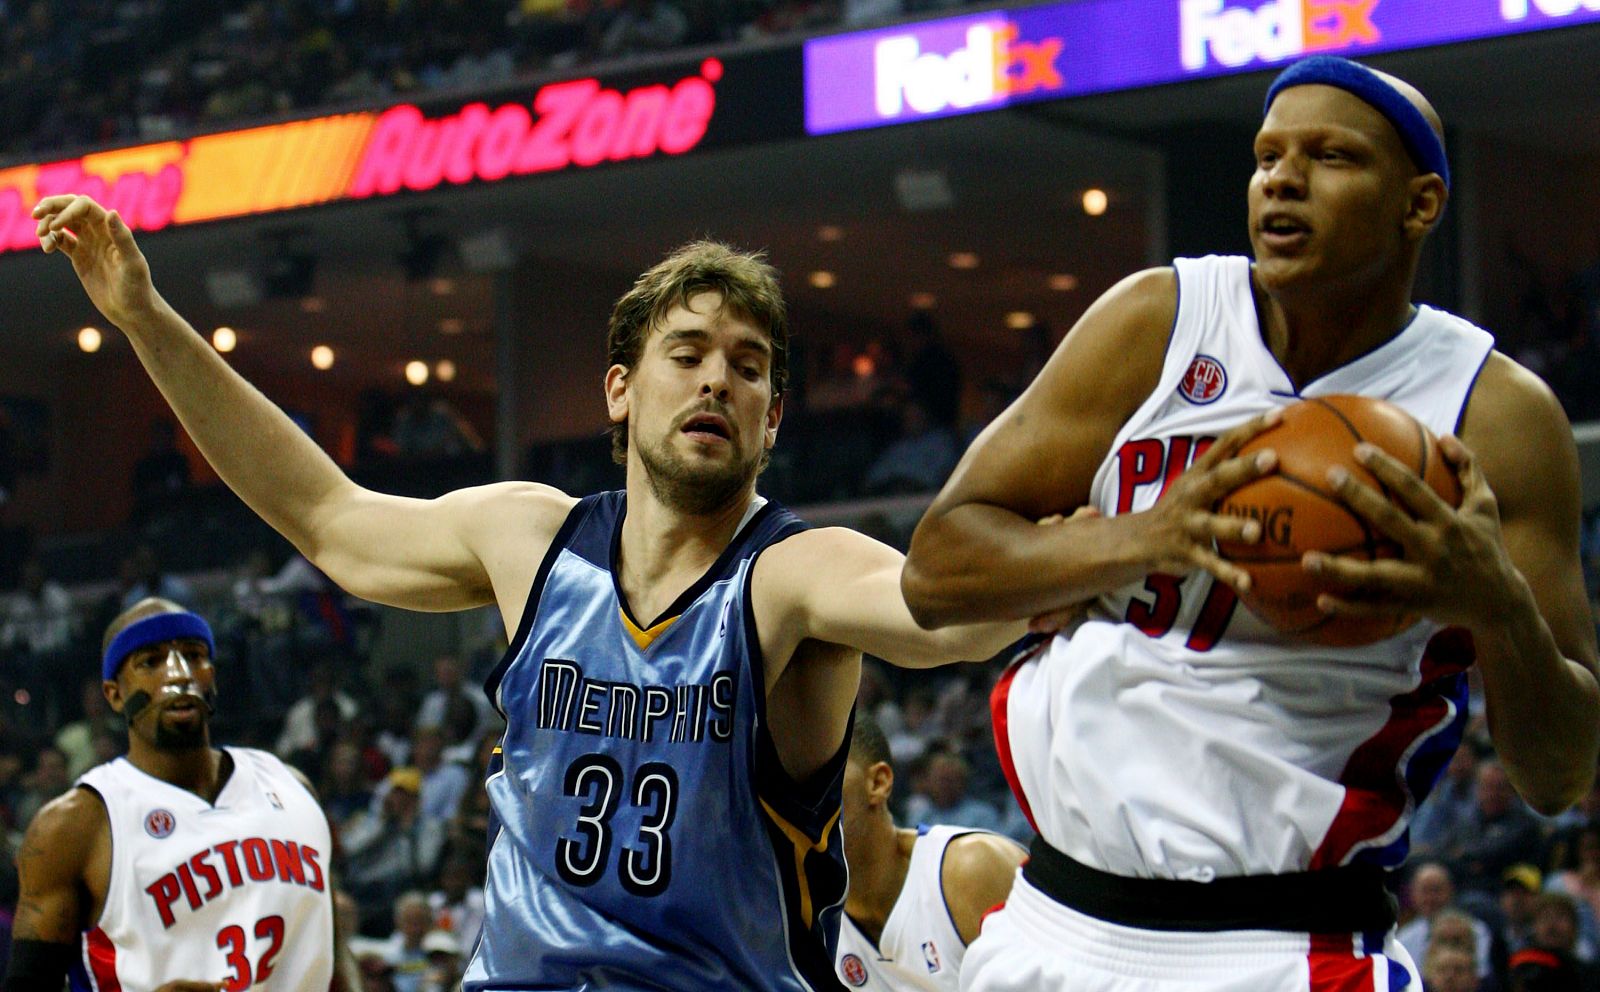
(695,490)
(184,737)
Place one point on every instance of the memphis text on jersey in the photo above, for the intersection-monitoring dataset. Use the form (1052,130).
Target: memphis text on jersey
(569,700)
(233,864)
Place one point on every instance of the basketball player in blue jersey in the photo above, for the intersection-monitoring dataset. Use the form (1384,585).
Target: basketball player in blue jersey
(180,867)
(1215,800)
(684,655)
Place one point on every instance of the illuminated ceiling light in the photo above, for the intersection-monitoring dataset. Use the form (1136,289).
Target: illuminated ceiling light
(313,304)
(444,370)
(1095,202)
(822,279)
(963,260)
(416,372)
(923,301)
(830,232)
(1019,320)
(224,339)
(90,339)
(322,357)
(452,325)
(1063,282)
(442,286)
(863,366)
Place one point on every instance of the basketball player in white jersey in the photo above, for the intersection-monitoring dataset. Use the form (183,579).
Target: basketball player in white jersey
(916,896)
(1217,803)
(180,867)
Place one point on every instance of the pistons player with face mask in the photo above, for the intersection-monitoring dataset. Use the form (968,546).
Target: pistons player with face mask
(180,867)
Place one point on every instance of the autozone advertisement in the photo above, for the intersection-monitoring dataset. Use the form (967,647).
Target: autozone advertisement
(415,147)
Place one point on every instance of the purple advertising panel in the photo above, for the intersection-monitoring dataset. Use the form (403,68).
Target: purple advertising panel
(975,62)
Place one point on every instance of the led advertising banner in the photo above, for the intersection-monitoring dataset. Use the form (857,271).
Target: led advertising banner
(975,62)
(416,147)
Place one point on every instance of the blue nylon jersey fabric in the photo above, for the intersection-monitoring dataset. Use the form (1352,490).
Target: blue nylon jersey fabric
(643,836)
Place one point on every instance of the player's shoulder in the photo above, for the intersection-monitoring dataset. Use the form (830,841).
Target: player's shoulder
(1513,420)
(1145,300)
(818,553)
(979,856)
(67,827)
(511,510)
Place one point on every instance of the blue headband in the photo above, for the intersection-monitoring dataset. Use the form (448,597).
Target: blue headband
(154,630)
(1426,150)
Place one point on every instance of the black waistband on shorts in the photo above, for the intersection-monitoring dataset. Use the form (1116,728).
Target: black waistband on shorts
(1336,900)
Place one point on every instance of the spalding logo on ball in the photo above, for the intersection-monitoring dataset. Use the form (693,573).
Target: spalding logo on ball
(1299,510)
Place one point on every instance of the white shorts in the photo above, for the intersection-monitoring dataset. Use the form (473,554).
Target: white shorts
(1035,944)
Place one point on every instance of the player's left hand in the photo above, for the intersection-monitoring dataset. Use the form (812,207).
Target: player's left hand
(1455,567)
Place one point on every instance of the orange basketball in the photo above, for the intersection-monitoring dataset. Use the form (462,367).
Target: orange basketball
(1300,512)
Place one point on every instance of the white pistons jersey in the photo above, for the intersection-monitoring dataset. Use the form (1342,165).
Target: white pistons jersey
(234,891)
(919,948)
(1172,735)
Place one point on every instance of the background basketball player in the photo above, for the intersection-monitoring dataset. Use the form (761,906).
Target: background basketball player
(682,653)
(916,895)
(180,867)
(1175,740)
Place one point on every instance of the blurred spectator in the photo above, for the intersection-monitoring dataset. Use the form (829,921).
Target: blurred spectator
(39,616)
(457,903)
(443,952)
(145,578)
(1519,896)
(77,739)
(941,797)
(1499,832)
(1555,927)
(1579,877)
(47,780)
(875,698)
(397,711)
(429,427)
(391,850)
(1549,962)
(344,787)
(932,373)
(919,460)
(299,724)
(644,26)
(328,727)
(412,923)
(1448,806)
(443,782)
(162,475)
(1431,893)
(448,684)
(1448,968)
(377,974)
(917,728)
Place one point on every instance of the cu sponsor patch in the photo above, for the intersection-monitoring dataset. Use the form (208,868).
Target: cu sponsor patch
(1204,381)
(158,823)
(854,971)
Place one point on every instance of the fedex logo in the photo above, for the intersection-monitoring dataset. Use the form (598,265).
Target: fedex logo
(1274,31)
(990,67)
(1517,10)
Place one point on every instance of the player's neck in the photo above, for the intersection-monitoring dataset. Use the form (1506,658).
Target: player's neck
(877,878)
(665,550)
(201,770)
(1312,331)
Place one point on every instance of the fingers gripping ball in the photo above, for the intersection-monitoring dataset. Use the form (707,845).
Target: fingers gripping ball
(1299,511)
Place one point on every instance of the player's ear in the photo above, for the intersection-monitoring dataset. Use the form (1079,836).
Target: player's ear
(774,416)
(617,393)
(1425,205)
(113,694)
(880,783)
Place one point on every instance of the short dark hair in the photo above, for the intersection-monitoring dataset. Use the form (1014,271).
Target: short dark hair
(749,289)
(868,745)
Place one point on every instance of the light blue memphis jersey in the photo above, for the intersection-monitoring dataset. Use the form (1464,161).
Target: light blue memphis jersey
(644,835)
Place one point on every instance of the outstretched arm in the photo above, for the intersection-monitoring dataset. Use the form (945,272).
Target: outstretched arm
(418,554)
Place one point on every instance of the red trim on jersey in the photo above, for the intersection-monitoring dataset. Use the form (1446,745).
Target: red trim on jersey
(102,960)
(1375,794)
(1002,735)
(1335,967)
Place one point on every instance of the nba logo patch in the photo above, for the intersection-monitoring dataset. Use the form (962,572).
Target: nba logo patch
(930,954)
(158,823)
(853,970)
(1204,381)
(272,797)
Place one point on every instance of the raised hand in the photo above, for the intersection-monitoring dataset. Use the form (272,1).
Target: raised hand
(109,264)
(1184,522)
(1455,565)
